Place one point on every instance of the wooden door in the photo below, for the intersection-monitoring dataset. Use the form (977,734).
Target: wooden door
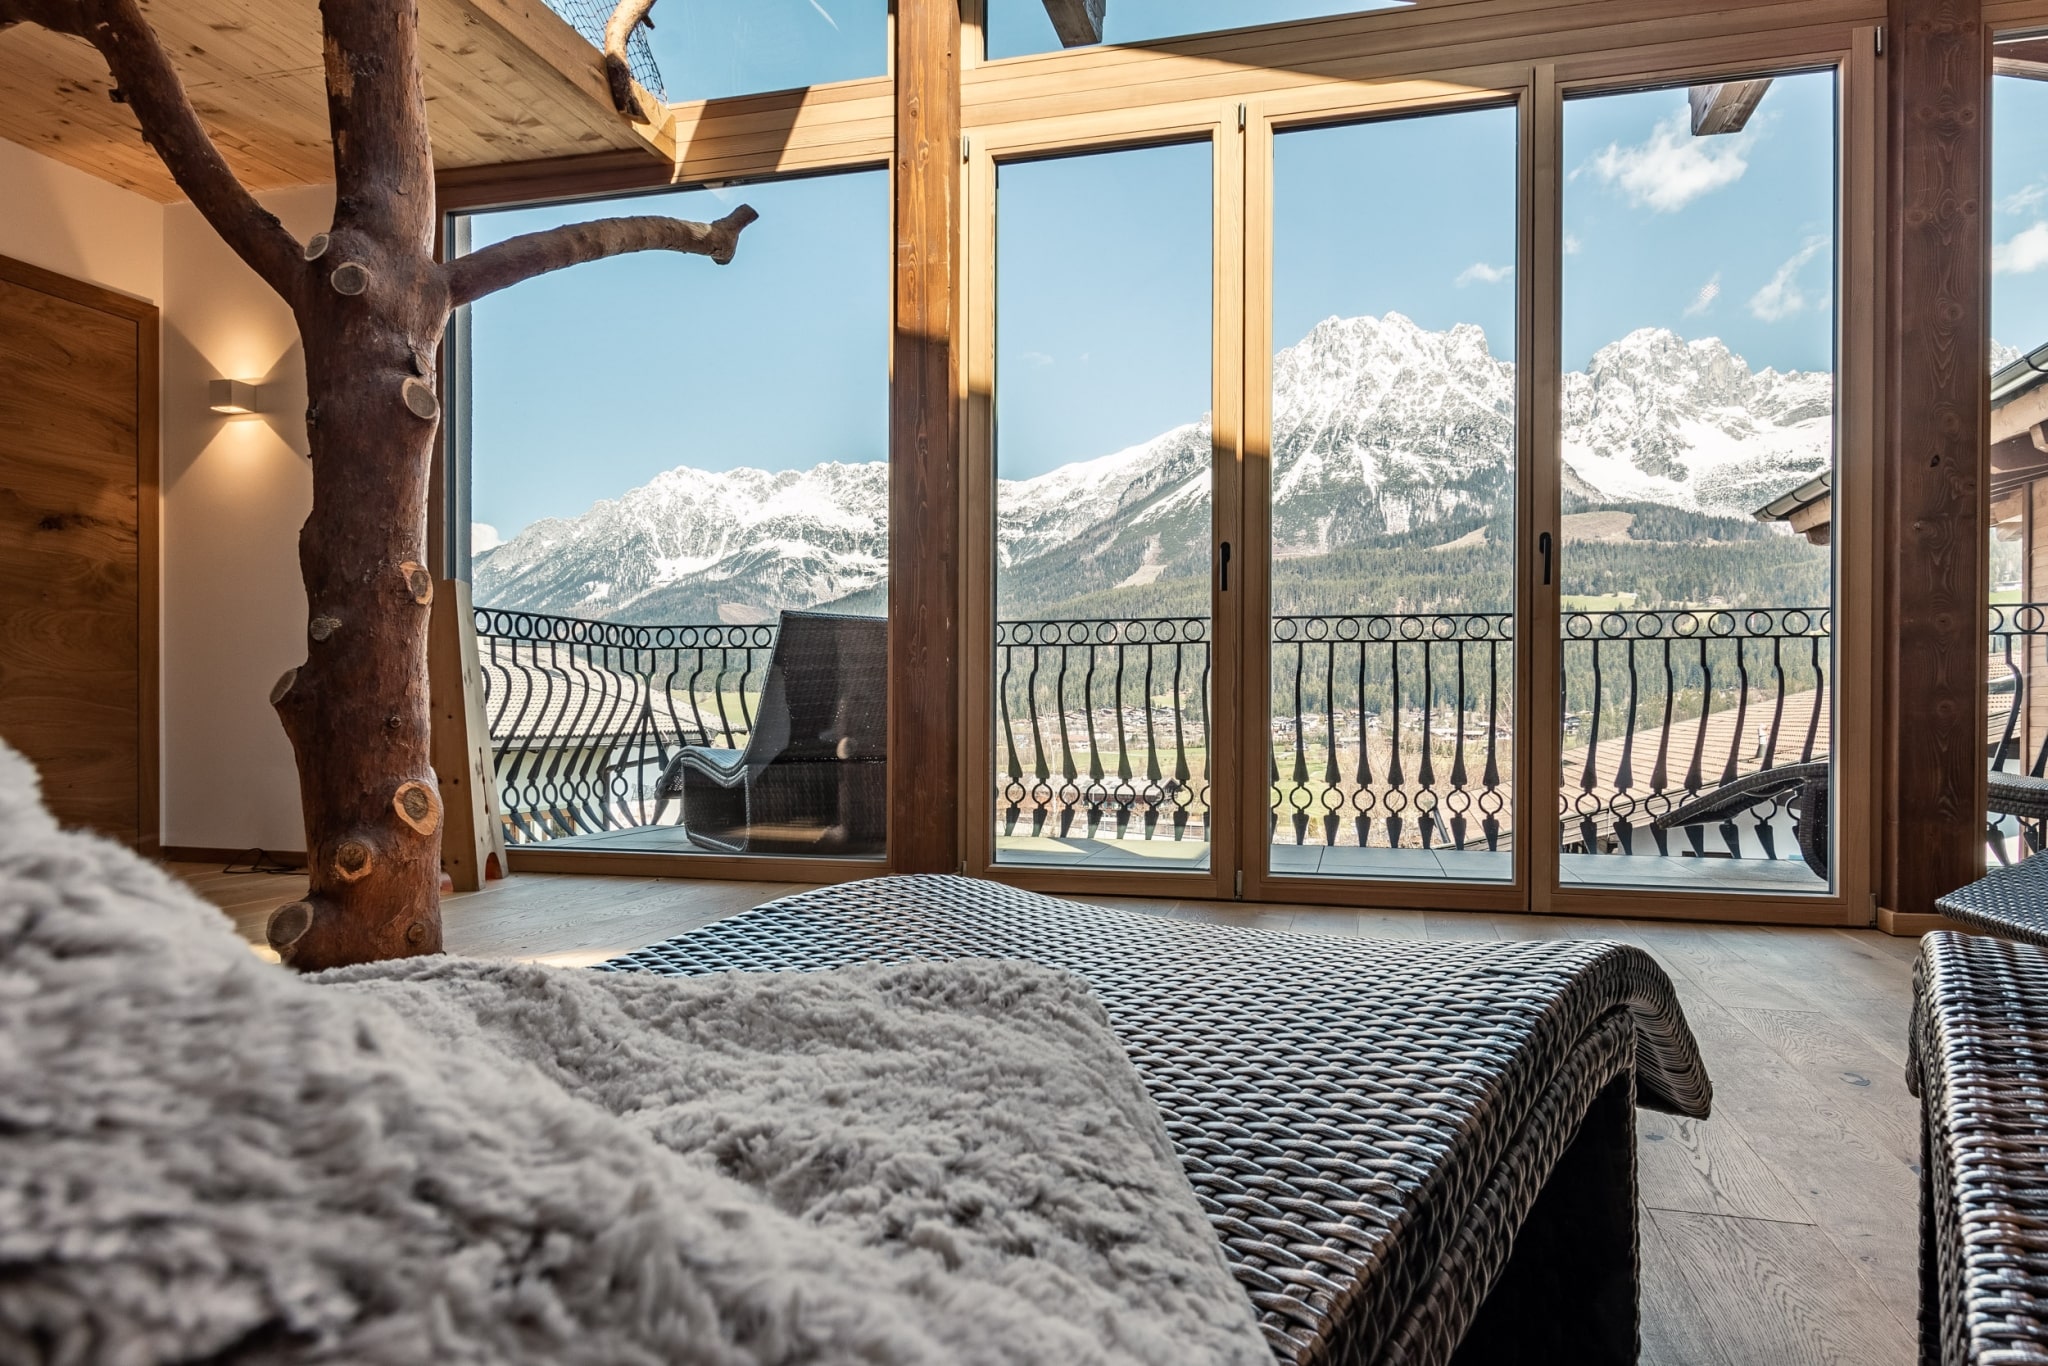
(78,493)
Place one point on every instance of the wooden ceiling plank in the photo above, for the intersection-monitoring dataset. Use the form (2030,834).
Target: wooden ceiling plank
(505,80)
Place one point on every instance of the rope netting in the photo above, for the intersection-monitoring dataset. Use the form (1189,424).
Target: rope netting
(588,17)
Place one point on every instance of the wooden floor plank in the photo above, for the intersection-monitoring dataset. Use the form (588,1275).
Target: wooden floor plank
(1860,1192)
(1779,1294)
(1713,956)
(1458,925)
(1859,1076)
(1708,1167)
(1675,1330)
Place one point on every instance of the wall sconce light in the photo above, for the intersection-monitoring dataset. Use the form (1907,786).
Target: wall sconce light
(232,396)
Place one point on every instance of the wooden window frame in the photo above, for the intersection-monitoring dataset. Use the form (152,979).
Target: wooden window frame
(1383,63)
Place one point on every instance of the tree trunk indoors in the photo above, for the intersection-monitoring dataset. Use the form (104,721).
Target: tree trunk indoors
(371,304)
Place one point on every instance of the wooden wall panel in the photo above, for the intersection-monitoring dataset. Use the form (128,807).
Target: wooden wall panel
(78,457)
(1931,788)
(924,446)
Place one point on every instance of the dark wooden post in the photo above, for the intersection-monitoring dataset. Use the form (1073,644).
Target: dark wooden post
(924,446)
(1931,792)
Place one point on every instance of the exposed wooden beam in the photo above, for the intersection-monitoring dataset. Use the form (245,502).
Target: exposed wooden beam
(1725,106)
(924,431)
(2028,410)
(1078,22)
(1931,790)
(2026,58)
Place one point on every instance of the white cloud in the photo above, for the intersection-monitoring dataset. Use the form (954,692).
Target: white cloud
(1782,297)
(483,536)
(1038,358)
(2021,200)
(1674,168)
(828,18)
(2026,253)
(1483,274)
(1572,245)
(1704,300)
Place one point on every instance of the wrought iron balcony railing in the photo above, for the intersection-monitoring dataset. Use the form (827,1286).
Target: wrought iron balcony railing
(1387,730)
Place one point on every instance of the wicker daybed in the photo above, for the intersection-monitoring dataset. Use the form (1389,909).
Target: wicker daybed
(1413,1152)
(1979,1063)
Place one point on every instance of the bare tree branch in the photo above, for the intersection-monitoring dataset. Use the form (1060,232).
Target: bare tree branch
(617,70)
(149,83)
(536,253)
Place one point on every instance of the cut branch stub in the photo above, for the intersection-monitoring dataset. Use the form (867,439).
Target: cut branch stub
(279,689)
(419,397)
(316,246)
(288,924)
(322,627)
(350,278)
(418,582)
(419,806)
(353,860)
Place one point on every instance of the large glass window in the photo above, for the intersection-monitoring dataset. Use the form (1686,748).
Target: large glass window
(2017,716)
(679,485)
(1393,499)
(1104,460)
(1017,28)
(1699,463)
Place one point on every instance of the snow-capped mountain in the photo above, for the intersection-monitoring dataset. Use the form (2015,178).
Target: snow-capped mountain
(1379,426)
(691,546)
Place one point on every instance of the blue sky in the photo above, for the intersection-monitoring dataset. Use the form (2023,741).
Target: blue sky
(1017,27)
(1728,236)
(2019,218)
(591,381)
(1103,303)
(708,49)
(1366,221)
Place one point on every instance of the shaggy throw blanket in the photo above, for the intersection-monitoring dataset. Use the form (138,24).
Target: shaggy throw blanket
(205,1158)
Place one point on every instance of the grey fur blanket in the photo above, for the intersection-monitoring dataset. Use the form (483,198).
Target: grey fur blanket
(205,1158)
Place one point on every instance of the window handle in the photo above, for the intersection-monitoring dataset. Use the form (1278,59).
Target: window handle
(1543,547)
(1224,560)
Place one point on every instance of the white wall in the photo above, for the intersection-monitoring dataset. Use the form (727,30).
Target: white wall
(78,225)
(236,491)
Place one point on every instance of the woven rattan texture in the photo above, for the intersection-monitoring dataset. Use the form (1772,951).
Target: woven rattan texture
(2009,901)
(1365,1122)
(1979,1062)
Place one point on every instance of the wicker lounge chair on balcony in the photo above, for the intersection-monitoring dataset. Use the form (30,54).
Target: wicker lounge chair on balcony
(1419,1152)
(813,778)
(2007,794)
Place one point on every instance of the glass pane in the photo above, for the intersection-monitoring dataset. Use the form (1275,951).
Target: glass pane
(1699,458)
(680,574)
(1393,496)
(710,49)
(2016,718)
(1017,28)
(1104,509)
